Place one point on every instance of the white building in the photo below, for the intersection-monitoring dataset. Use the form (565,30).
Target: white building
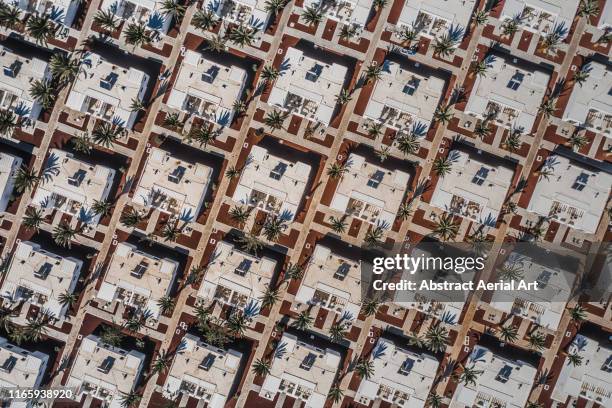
(9,166)
(544,306)
(40,277)
(540,16)
(63,11)
(251,12)
(435,17)
(148,12)
(104,372)
(403,98)
(590,104)
(172,185)
(273,184)
(236,278)
(137,279)
(574,195)
(605,18)
(511,89)
(504,382)
(20,368)
(400,377)
(347,12)
(207,89)
(203,372)
(107,91)
(73,185)
(590,380)
(301,371)
(332,282)
(475,188)
(369,192)
(18,74)
(308,87)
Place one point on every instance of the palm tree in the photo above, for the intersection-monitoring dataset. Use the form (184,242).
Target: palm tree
(531,404)
(445,45)
(344,97)
(336,332)
(273,227)
(137,105)
(337,224)
(232,173)
(274,6)
(43,92)
(173,121)
(131,218)
(239,106)
(67,298)
(513,141)
(348,31)
(378,4)
(470,375)
(105,134)
(482,66)
(552,40)
(63,234)
(408,34)
(111,335)
(36,328)
(364,368)
(41,28)
(173,8)
(436,338)
(240,214)
(408,144)
(236,325)
(8,122)
(161,363)
(137,35)
(404,211)
(511,26)
(369,307)
(204,20)
(130,400)
(583,74)
(201,134)
(294,271)
(443,114)
(373,236)
(106,20)
(481,17)
(578,313)
(373,73)
(577,141)
(25,180)
(170,231)
(32,219)
(262,367)
(446,228)
(442,166)
(482,129)
(312,15)
(434,401)
(275,119)
(574,359)
(215,43)
(250,243)
(82,143)
(335,394)
(10,16)
(63,68)
(547,107)
(102,207)
(242,35)
(269,73)
(537,341)
(303,321)
(337,170)
(508,334)
(166,304)
(588,8)
(269,298)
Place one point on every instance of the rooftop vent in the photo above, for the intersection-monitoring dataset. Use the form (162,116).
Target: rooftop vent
(106,365)
(308,361)
(207,362)
(210,75)
(244,267)
(9,364)
(376,179)
(43,271)
(108,82)
(342,271)
(314,73)
(278,171)
(406,366)
(504,374)
(13,69)
(177,174)
(77,178)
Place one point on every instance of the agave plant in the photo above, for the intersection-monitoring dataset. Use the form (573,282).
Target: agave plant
(106,20)
(348,32)
(373,73)
(337,170)
(137,35)
(552,40)
(312,15)
(216,44)
(173,8)
(242,35)
(445,45)
(446,228)
(436,338)
(204,20)
(303,321)
(63,234)
(105,134)
(408,144)
(275,119)
(338,225)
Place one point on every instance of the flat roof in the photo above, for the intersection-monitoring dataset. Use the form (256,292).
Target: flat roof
(272,183)
(331,281)
(9,165)
(107,90)
(503,381)
(252,12)
(308,87)
(207,88)
(236,277)
(106,371)
(400,376)
(480,199)
(515,88)
(45,274)
(345,11)
(370,192)
(541,16)
(137,278)
(172,185)
(436,16)
(74,184)
(590,104)
(574,195)
(590,380)
(302,368)
(27,367)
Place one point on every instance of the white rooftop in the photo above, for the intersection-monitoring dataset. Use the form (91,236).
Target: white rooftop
(207,89)
(479,199)
(573,195)
(147,12)
(251,12)
(514,91)
(504,382)
(436,16)
(347,12)
(137,278)
(403,97)
(18,73)
(308,87)
(302,371)
(234,277)
(400,377)
(590,104)
(271,183)
(73,185)
(605,19)
(106,90)
(332,282)
(20,368)
(591,380)
(370,192)
(172,185)
(202,371)
(9,165)
(104,372)
(64,10)
(40,277)
(541,16)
